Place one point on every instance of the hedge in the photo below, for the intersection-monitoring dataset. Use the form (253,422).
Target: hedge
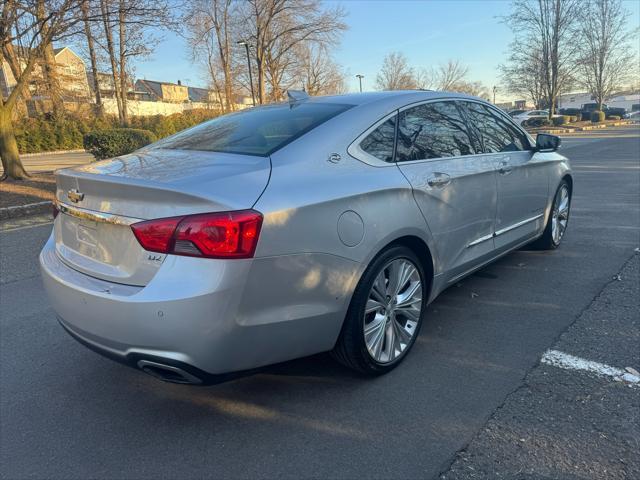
(597,116)
(537,122)
(42,134)
(570,111)
(561,120)
(116,142)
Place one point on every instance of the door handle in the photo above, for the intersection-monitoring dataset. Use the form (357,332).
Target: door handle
(439,180)
(505,168)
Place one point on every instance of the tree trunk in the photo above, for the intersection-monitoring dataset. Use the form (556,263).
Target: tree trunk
(99,110)
(123,59)
(260,75)
(9,147)
(14,65)
(112,56)
(49,68)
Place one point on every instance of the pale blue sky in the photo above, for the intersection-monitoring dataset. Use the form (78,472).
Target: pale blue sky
(427,32)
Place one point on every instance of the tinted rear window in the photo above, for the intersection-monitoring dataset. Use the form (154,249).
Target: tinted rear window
(256,131)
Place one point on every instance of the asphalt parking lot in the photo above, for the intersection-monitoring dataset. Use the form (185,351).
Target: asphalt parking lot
(473,400)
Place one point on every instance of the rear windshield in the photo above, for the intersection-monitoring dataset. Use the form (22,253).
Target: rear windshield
(255,131)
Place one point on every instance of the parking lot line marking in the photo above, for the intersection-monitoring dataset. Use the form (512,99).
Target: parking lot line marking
(21,224)
(569,362)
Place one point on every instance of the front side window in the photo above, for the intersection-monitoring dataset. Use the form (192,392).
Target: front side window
(433,130)
(497,134)
(255,131)
(380,142)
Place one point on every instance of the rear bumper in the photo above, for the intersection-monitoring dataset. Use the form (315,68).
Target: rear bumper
(208,317)
(188,373)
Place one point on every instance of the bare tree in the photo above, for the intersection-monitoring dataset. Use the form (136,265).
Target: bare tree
(523,75)
(396,74)
(89,36)
(450,75)
(319,73)
(475,88)
(548,27)
(275,27)
(48,62)
(210,27)
(111,51)
(36,32)
(127,31)
(606,59)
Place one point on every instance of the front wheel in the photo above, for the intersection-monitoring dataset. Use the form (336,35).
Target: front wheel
(558,219)
(385,313)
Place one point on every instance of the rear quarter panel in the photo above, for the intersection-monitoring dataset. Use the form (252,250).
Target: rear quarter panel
(303,270)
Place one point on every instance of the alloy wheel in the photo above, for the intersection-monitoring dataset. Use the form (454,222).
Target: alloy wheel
(560,215)
(393,309)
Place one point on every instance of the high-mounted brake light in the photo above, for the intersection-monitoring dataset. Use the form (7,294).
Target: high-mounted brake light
(211,235)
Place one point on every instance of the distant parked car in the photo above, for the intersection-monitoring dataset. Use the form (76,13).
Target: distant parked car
(592,107)
(588,108)
(522,118)
(633,116)
(619,111)
(513,113)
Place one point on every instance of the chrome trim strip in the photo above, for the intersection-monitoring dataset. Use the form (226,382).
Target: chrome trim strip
(492,259)
(94,216)
(480,240)
(516,225)
(503,230)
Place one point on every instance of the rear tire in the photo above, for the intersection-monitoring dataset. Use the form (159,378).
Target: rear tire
(558,219)
(385,314)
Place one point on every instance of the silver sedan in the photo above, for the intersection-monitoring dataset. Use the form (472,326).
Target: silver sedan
(321,224)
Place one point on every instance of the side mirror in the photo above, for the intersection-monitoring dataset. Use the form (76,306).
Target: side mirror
(547,143)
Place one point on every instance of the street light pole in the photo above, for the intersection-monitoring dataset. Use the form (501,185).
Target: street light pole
(360,77)
(494,94)
(246,47)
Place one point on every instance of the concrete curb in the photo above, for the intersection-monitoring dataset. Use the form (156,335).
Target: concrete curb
(25,210)
(553,131)
(57,152)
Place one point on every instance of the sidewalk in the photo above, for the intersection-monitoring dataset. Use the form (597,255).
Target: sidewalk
(48,162)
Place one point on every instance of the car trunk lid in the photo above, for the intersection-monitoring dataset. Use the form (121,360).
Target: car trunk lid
(99,202)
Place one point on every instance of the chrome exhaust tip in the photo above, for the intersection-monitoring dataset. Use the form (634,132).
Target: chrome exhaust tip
(168,373)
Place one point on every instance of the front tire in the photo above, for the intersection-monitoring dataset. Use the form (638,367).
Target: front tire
(558,219)
(385,314)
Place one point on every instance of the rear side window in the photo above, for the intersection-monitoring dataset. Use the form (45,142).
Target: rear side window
(380,142)
(433,130)
(497,134)
(255,131)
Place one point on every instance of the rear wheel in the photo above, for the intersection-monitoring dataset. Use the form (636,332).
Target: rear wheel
(558,219)
(385,314)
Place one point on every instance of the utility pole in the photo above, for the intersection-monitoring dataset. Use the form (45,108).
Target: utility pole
(246,46)
(360,77)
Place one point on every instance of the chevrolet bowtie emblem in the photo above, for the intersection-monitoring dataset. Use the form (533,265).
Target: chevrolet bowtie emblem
(74,195)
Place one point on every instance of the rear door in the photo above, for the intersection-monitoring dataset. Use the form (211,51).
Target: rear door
(454,186)
(522,178)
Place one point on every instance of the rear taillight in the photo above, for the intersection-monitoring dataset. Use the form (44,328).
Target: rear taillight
(211,235)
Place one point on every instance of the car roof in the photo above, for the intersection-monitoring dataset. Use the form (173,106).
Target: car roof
(401,97)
